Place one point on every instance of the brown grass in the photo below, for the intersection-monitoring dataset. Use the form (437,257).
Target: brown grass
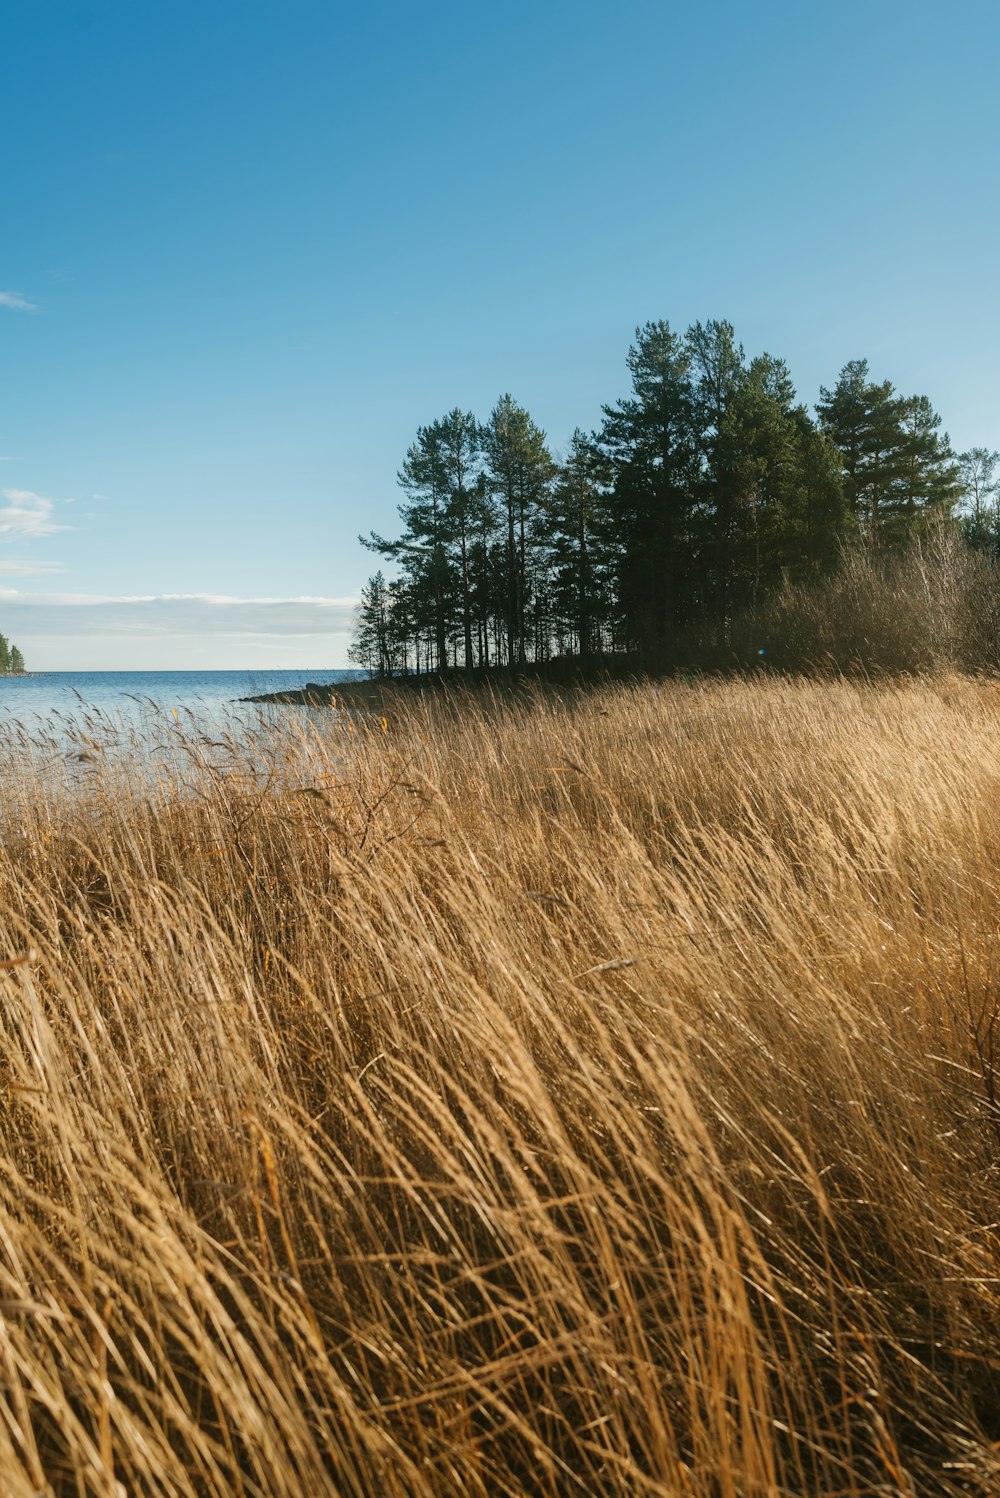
(561,1095)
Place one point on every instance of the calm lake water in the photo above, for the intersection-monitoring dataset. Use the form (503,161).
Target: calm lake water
(76,724)
(135,695)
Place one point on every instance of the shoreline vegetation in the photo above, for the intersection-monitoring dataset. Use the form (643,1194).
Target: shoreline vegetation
(11,659)
(931,607)
(710,518)
(545,1092)
(379,691)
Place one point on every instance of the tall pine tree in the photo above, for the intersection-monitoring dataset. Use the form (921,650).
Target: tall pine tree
(897,465)
(649,444)
(519,469)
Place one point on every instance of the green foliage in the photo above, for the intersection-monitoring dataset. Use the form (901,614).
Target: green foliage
(649,442)
(579,549)
(11,659)
(708,489)
(519,469)
(897,465)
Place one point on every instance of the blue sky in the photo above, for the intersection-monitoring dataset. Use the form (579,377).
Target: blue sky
(247,248)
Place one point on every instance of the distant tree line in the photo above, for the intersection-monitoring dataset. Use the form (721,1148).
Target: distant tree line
(11,659)
(704,490)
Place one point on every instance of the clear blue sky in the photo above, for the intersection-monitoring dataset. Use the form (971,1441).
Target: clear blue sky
(260,243)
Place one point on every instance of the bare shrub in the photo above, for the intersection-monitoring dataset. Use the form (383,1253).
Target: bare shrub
(937,605)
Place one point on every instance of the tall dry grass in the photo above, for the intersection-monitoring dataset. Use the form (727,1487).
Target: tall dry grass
(559,1095)
(933,606)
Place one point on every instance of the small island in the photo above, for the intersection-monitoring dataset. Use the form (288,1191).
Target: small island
(11,659)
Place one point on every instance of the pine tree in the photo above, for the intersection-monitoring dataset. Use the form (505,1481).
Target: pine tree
(719,374)
(423,549)
(519,470)
(818,517)
(16,660)
(929,483)
(4,656)
(577,556)
(458,446)
(897,466)
(704,488)
(784,505)
(649,446)
(371,648)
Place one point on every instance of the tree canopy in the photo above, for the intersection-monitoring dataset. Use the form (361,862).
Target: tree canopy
(11,659)
(704,487)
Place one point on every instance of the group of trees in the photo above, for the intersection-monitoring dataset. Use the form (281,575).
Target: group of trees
(704,488)
(11,659)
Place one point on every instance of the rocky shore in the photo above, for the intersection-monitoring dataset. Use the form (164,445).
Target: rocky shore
(374,695)
(340,694)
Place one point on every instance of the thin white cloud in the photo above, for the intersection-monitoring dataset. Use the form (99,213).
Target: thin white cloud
(28,568)
(150,615)
(27,514)
(16,302)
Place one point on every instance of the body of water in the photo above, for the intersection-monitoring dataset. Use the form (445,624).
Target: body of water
(72,725)
(134,694)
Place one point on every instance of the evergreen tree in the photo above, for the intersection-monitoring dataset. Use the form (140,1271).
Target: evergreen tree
(897,466)
(16,660)
(783,508)
(818,517)
(519,470)
(423,549)
(863,419)
(577,554)
(4,656)
(458,446)
(649,445)
(445,522)
(704,489)
(372,646)
(930,483)
(719,374)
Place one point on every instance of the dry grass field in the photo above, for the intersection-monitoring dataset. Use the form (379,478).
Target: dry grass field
(566,1094)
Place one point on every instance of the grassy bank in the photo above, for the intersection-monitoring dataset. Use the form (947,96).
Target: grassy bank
(569,1094)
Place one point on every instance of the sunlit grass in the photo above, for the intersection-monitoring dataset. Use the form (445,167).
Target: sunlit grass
(559,1094)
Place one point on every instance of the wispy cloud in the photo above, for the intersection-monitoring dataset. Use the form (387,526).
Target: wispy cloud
(11,567)
(16,302)
(173,614)
(27,514)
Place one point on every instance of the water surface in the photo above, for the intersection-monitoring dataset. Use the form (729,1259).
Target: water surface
(134,695)
(71,727)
